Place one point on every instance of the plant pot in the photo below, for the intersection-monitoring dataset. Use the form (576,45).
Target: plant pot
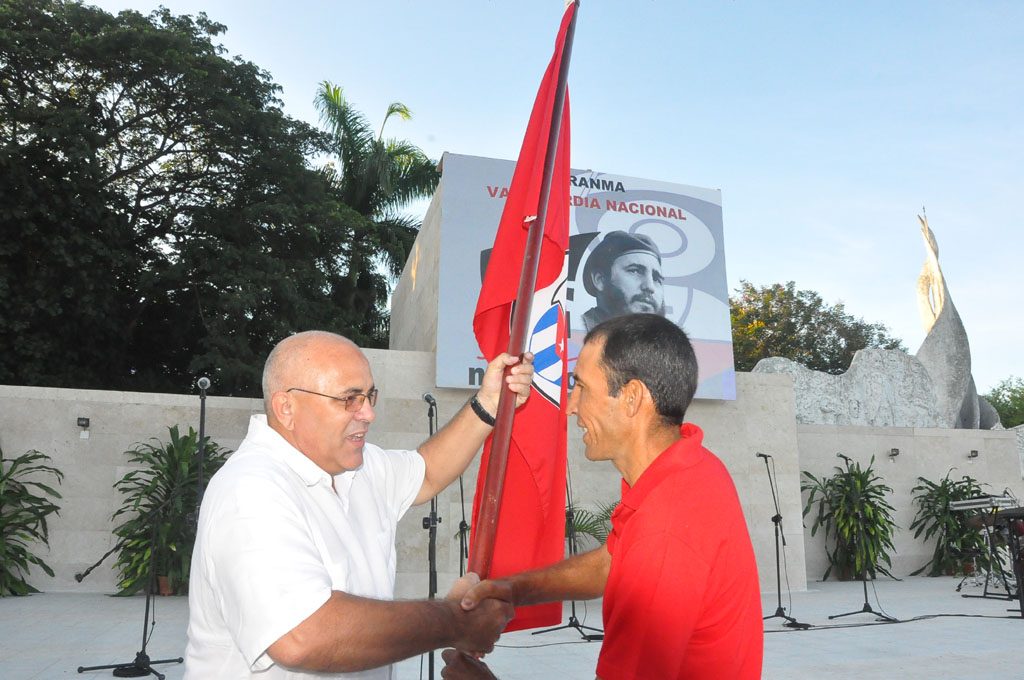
(163,585)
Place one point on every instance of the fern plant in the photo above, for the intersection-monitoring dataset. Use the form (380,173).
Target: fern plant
(856,517)
(957,542)
(25,503)
(594,523)
(159,504)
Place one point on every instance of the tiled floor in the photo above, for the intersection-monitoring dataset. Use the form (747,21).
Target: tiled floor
(49,636)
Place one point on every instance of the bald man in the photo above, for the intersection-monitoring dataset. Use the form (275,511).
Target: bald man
(293,570)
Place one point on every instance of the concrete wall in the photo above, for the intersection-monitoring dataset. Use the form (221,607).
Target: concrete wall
(45,419)
(414,300)
(924,452)
(760,420)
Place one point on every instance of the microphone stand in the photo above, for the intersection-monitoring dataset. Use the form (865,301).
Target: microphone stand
(866,607)
(203,384)
(780,611)
(142,665)
(430,523)
(573,622)
(463,532)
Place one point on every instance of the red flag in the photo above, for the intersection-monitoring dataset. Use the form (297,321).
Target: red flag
(531,520)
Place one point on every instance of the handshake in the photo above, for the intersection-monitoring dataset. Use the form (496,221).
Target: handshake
(485,607)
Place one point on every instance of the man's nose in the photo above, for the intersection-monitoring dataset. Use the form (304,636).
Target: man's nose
(366,412)
(570,408)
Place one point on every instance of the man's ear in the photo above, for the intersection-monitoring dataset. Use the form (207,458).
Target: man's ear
(634,395)
(283,407)
(598,279)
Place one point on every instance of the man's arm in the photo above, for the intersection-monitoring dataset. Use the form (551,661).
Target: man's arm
(349,633)
(449,452)
(581,577)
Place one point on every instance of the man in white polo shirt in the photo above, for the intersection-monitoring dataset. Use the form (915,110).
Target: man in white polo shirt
(293,570)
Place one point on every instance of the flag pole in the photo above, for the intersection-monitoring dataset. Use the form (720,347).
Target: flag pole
(487,522)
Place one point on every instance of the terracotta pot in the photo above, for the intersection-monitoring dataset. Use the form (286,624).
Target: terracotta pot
(163,585)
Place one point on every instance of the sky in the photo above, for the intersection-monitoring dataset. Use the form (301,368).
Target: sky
(828,127)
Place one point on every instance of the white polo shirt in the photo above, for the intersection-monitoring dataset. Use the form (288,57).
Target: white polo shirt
(274,540)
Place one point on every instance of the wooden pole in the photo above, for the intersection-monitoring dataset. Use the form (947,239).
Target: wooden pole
(487,522)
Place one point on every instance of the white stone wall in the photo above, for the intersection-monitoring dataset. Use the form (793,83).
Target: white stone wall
(924,452)
(760,420)
(45,419)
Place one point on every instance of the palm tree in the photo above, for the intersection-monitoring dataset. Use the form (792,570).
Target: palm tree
(376,178)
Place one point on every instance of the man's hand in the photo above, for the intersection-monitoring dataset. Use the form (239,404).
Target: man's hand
(519,380)
(459,666)
(462,586)
(481,627)
(487,590)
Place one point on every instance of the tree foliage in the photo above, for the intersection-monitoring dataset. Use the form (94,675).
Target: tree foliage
(159,213)
(1008,400)
(376,177)
(781,321)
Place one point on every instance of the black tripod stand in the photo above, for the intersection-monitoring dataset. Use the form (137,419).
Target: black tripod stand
(780,611)
(142,665)
(573,622)
(866,608)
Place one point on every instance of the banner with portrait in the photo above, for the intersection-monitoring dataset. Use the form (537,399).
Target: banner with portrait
(636,245)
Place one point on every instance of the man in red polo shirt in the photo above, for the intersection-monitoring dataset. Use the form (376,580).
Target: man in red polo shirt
(678,576)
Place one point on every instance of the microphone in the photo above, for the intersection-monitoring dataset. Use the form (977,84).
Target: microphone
(203,383)
(763,455)
(429,398)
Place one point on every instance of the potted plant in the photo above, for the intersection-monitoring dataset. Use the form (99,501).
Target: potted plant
(25,503)
(159,507)
(595,524)
(959,544)
(852,508)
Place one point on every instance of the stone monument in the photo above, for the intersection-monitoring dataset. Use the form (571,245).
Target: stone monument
(933,388)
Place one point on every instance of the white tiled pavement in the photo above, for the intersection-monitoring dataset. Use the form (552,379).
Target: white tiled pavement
(48,636)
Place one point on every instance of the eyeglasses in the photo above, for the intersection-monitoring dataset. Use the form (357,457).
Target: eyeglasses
(352,402)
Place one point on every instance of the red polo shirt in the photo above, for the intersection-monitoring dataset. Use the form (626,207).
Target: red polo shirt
(682,598)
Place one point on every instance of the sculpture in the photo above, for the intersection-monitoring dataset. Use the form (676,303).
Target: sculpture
(933,388)
(946,351)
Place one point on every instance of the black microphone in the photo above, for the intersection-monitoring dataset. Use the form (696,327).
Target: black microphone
(203,383)
(763,455)
(429,398)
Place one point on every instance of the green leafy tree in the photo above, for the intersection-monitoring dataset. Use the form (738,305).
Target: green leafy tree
(781,321)
(377,177)
(1008,400)
(160,214)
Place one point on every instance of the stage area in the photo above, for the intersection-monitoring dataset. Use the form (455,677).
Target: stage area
(49,636)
